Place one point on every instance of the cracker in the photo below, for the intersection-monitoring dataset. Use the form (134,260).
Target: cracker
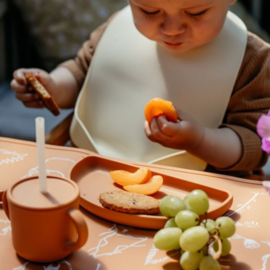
(47,99)
(129,202)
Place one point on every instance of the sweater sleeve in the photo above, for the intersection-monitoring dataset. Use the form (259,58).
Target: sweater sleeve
(79,66)
(250,99)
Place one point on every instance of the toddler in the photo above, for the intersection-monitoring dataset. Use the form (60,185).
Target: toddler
(194,53)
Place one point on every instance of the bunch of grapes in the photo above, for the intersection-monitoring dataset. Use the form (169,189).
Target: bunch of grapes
(201,242)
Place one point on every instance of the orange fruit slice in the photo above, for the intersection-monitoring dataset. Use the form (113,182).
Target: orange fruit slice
(124,178)
(149,188)
(157,106)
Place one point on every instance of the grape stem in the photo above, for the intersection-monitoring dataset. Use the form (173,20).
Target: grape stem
(216,254)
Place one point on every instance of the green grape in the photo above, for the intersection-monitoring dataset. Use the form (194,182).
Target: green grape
(186,201)
(209,224)
(226,246)
(198,201)
(170,205)
(225,226)
(168,238)
(162,204)
(191,260)
(170,223)
(194,238)
(209,263)
(186,219)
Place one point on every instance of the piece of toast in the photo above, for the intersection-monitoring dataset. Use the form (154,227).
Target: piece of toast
(47,99)
(129,202)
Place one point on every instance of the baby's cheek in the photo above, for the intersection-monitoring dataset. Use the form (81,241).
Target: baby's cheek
(207,33)
(147,29)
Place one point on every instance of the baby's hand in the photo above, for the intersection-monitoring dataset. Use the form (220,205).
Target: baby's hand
(186,134)
(23,90)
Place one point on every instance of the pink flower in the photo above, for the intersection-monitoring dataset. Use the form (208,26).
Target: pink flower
(266,145)
(266,184)
(263,129)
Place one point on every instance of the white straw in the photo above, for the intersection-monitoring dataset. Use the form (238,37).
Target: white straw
(40,139)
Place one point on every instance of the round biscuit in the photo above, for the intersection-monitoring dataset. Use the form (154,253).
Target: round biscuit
(129,202)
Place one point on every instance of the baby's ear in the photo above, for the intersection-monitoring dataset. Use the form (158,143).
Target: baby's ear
(233,2)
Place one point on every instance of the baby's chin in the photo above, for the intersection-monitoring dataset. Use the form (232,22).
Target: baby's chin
(181,48)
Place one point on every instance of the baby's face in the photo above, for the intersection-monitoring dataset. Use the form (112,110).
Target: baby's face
(180,25)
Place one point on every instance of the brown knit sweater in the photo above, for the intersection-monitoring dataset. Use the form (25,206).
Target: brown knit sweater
(249,100)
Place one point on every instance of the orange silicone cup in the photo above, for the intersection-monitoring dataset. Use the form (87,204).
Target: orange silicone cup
(46,234)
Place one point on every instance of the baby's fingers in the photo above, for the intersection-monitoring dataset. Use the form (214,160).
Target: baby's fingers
(34,104)
(19,75)
(148,132)
(27,97)
(158,134)
(167,128)
(18,87)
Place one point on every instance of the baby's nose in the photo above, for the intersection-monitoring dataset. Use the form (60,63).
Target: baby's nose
(173,26)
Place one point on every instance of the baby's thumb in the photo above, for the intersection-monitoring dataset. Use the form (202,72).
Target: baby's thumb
(43,77)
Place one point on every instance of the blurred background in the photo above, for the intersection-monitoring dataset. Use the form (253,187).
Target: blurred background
(44,33)
(41,33)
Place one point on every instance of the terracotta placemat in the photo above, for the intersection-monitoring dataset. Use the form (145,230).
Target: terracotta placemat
(115,246)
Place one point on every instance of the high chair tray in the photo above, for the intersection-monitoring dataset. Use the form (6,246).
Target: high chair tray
(92,176)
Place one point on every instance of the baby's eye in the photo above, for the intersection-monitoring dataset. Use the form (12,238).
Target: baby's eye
(150,12)
(196,15)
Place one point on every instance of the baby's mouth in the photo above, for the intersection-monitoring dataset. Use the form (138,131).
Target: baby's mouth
(174,44)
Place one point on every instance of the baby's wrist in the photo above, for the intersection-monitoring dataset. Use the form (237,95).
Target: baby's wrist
(197,143)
